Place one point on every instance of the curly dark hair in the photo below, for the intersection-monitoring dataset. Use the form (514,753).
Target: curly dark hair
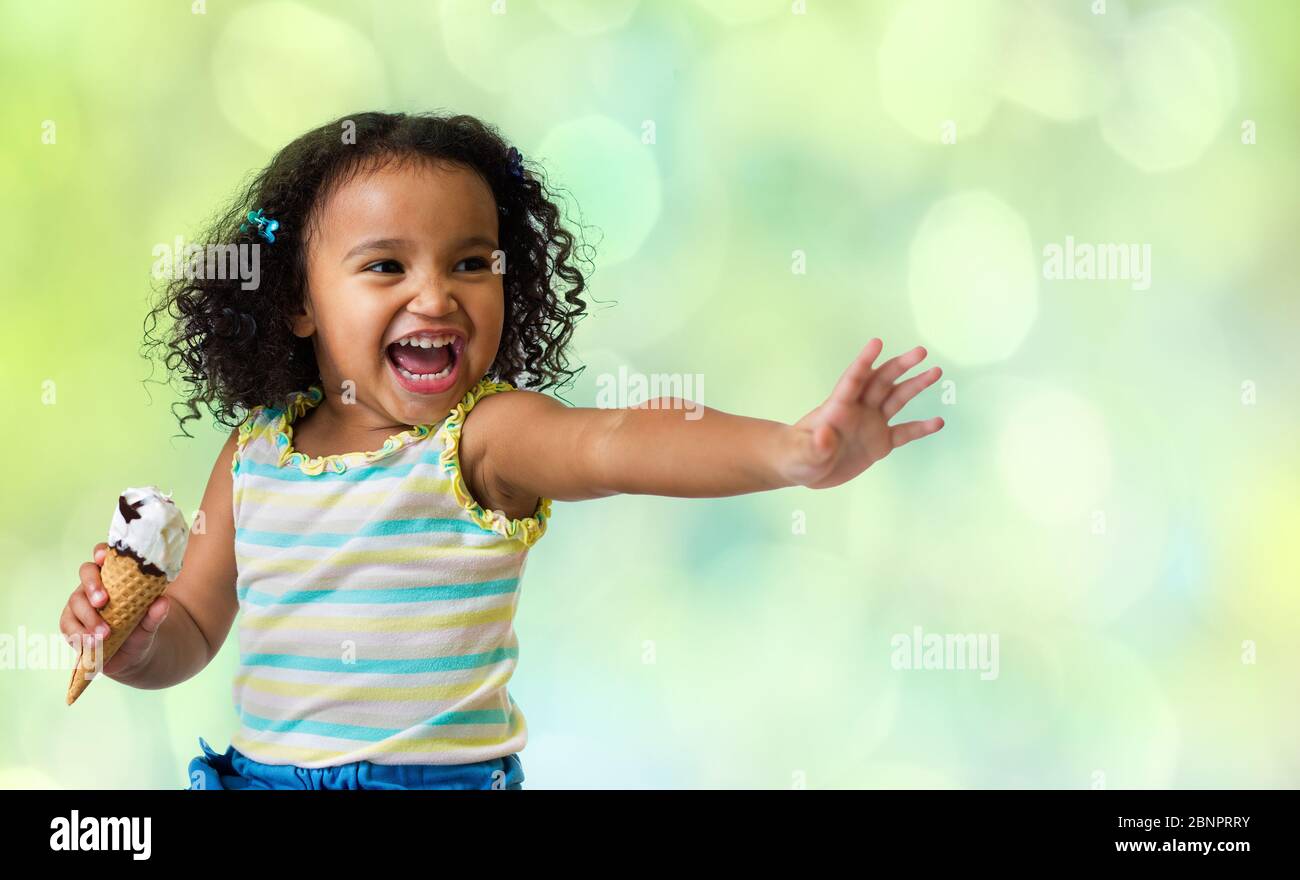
(233,349)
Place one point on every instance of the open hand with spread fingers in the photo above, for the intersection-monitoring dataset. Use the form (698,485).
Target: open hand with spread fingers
(850,431)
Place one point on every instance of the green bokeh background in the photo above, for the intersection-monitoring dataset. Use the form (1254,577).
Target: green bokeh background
(1115,495)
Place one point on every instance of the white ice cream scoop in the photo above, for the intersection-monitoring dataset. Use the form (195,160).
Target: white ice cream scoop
(148,526)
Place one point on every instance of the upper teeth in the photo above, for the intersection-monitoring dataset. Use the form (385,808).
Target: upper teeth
(427,341)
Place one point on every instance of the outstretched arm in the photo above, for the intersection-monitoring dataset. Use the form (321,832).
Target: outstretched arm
(534,446)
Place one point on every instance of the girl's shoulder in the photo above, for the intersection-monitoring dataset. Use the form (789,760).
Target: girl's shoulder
(266,423)
(463,469)
(504,417)
(253,423)
(483,388)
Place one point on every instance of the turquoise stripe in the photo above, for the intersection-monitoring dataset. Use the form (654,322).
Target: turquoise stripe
(394,596)
(380,529)
(378,470)
(360,732)
(405,666)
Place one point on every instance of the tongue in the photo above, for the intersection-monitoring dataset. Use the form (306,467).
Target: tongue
(421,360)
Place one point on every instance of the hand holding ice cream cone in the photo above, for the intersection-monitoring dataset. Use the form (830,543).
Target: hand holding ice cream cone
(146,544)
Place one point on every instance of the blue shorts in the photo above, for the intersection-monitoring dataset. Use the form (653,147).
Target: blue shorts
(235,770)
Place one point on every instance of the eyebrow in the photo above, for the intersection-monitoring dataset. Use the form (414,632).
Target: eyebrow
(472,240)
(387,244)
(376,244)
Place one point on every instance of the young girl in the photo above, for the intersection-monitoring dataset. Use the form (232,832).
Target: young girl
(371,532)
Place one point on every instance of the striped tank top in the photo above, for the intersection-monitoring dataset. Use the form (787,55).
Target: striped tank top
(376,598)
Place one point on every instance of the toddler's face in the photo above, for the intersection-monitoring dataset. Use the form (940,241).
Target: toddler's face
(405,253)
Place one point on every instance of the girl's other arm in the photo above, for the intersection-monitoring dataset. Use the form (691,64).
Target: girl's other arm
(535,446)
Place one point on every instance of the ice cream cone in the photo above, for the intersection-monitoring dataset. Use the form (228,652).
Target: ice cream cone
(130,593)
(146,545)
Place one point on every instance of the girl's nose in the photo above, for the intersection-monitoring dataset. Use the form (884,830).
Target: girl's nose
(436,297)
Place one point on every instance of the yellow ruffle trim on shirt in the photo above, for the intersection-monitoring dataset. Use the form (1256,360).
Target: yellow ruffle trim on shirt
(245,432)
(280,430)
(528,529)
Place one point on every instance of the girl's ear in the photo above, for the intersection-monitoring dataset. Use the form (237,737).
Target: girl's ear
(304,322)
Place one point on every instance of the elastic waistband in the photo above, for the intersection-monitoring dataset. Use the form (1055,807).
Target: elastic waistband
(235,770)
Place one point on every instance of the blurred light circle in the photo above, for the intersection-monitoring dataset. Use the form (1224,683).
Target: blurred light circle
(1178,83)
(615,182)
(939,62)
(751,95)
(1056,63)
(659,307)
(280,69)
(512,49)
(1054,456)
(973,278)
(584,18)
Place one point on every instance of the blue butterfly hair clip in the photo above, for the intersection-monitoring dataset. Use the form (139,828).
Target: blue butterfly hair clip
(266,227)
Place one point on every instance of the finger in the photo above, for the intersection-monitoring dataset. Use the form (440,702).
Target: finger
(909,431)
(854,381)
(92,585)
(88,617)
(70,626)
(889,371)
(824,441)
(156,614)
(816,445)
(100,552)
(905,391)
(138,643)
(143,634)
(133,649)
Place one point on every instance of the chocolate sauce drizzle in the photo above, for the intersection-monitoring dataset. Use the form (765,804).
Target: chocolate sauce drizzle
(130,512)
(146,567)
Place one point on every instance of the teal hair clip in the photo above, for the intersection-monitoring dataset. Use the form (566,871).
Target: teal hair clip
(266,227)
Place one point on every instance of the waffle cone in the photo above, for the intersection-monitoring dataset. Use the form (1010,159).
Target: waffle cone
(130,593)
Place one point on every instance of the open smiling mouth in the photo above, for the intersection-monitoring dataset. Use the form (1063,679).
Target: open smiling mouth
(426,364)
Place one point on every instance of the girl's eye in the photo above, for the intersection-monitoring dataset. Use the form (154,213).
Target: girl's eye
(393,267)
(483,264)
